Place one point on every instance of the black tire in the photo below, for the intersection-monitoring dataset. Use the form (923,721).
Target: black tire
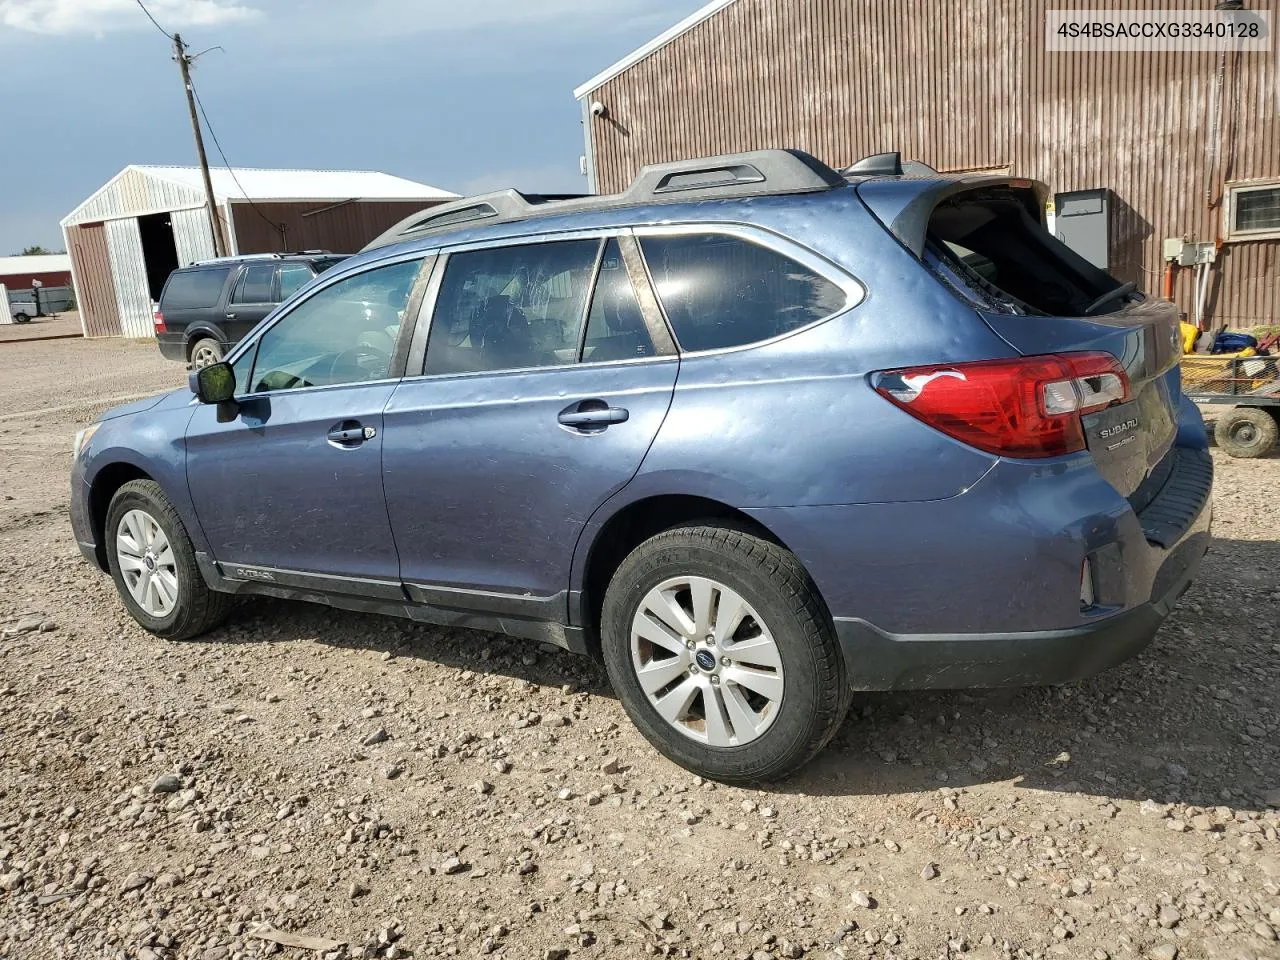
(1246,432)
(816,692)
(198,609)
(205,347)
(21,318)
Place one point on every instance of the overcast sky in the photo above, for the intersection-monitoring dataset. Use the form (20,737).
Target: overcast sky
(459,94)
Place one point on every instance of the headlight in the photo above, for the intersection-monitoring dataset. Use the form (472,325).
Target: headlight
(82,440)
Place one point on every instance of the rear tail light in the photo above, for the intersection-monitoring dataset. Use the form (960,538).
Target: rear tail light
(1027,407)
(158,317)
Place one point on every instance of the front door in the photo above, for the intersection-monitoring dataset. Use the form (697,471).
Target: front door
(524,422)
(290,489)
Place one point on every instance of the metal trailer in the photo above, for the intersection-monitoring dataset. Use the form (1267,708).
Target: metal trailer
(1250,386)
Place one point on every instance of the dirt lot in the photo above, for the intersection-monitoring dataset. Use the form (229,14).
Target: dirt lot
(397,790)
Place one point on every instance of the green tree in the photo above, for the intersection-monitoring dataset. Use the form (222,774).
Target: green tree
(36,251)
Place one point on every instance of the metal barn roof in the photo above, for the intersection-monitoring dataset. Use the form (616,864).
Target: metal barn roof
(258,184)
(657,43)
(139,189)
(45,263)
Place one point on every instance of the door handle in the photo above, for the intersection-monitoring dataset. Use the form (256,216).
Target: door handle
(231,316)
(592,416)
(350,433)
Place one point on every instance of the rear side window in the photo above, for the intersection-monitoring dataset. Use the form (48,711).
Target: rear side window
(254,285)
(194,289)
(511,308)
(720,291)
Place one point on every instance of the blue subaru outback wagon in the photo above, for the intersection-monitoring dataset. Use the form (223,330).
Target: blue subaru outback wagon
(755,432)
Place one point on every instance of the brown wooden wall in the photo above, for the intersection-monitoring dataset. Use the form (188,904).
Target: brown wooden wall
(316,225)
(969,84)
(95,288)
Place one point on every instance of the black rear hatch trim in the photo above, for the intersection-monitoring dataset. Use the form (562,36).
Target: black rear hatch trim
(1170,514)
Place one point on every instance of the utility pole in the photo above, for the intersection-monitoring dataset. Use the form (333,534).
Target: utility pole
(184,64)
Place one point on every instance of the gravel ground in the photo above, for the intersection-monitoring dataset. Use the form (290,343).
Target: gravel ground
(384,789)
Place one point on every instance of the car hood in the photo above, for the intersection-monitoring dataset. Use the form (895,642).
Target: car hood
(174,398)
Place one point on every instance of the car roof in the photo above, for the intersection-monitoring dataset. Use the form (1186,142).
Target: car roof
(901,195)
(305,256)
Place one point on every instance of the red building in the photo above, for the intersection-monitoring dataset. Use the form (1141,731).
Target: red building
(53,270)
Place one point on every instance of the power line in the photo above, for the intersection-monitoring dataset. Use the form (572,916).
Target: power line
(156,23)
(227,163)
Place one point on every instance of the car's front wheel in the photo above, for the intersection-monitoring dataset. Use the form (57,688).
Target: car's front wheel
(723,654)
(154,565)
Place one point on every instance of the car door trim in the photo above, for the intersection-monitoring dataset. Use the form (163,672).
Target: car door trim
(528,618)
(327,583)
(412,317)
(655,320)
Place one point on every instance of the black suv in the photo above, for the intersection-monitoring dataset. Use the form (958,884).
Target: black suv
(207,308)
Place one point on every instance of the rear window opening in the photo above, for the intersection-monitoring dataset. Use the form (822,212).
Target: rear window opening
(992,246)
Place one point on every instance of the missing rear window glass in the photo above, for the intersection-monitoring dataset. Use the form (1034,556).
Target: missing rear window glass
(993,247)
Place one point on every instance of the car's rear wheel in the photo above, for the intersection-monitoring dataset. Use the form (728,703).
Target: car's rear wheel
(154,565)
(1246,432)
(206,352)
(21,318)
(723,654)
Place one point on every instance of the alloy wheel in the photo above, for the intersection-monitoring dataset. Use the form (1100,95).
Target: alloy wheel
(706,661)
(147,563)
(204,356)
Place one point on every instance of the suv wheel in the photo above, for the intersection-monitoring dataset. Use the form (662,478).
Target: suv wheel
(205,352)
(723,653)
(154,565)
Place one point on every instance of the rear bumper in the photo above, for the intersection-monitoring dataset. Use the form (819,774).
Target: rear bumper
(882,661)
(984,589)
(173,346)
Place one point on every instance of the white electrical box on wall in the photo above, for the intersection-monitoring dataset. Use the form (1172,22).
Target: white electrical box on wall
(1194,253)
(1173,247)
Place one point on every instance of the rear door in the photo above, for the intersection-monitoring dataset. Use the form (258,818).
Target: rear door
(191,300)
(544,383)
(1043,298)
(252,297)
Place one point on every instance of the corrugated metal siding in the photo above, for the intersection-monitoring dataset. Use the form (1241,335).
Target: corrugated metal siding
(128,269)
(964,85)
(95,289)
(134,192)
(311,225)
(191,235)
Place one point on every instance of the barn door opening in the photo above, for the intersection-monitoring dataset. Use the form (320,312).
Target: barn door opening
(159,252)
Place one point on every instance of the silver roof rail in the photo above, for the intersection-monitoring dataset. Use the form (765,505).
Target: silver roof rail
(759,173)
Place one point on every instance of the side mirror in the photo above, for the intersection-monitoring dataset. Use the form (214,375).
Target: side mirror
(215,383)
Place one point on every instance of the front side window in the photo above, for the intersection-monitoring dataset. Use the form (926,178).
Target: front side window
(346,333)
(720,291)
(293,276)
(254,285)
(194,289)
(511,308)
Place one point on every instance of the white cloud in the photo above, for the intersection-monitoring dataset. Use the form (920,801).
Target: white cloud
(104,16)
